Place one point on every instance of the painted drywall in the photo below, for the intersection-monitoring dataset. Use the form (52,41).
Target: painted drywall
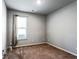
(35,27)
(4,18)
(62,28)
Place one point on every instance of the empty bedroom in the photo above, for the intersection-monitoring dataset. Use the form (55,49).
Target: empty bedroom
(39,29)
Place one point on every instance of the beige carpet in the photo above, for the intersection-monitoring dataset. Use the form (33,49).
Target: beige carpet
(42,51)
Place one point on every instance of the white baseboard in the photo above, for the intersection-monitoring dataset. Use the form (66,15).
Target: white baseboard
(30,44)
(62,49)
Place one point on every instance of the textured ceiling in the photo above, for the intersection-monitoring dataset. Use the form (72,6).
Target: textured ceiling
(42,7)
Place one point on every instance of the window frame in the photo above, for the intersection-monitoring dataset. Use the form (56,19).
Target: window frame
(15,30)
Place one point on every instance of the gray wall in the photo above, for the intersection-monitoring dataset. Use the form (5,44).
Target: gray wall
(62,28)
(3,24)
(35,27)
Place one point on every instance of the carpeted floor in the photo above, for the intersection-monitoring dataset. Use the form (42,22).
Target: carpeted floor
(42,51)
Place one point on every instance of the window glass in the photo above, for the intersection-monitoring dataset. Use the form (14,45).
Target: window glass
(21,27)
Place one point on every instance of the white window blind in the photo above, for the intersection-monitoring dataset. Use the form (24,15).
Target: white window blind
(21,27)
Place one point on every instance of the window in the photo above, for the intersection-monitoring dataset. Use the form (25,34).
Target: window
(21,27)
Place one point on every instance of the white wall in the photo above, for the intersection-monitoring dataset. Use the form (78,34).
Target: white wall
(35,27)
(62,28)
(4,17)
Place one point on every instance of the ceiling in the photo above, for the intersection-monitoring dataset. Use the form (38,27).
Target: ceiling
(36,6)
